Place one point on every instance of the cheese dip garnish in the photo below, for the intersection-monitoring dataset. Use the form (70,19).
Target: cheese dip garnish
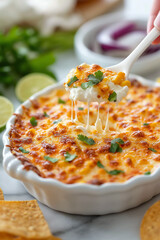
(55,147)
(92,83)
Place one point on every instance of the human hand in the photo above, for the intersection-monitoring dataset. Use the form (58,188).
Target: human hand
(154,12)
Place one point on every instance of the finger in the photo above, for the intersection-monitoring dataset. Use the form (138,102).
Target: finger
(154,12)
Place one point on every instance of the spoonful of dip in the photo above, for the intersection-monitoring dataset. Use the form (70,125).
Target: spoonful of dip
(92,83)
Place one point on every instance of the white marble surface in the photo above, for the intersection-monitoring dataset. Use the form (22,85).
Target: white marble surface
(120,226)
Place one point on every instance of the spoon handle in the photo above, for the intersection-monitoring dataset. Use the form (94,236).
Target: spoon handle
(137,52)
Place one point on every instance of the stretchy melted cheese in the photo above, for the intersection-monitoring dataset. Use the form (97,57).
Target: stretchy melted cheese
(92,83)
(135,120)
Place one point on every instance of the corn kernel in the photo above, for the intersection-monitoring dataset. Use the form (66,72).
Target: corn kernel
(119,78)
(84,171)
(62,164)
(71,169)
(126,83)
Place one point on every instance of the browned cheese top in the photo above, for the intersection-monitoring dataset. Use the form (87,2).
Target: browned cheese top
(135,120)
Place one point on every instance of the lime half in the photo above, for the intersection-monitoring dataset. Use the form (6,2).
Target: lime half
(6,110)
(31,84)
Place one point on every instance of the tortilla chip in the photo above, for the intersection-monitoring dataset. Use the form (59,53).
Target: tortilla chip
(6,236)
(1,194)
(23,219)
(150,226)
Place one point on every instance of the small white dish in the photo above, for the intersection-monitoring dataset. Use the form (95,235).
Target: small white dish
(83,198)
(86,36)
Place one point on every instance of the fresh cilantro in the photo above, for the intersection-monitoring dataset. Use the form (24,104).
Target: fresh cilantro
(85,139)
(69,157)
(100,165)
(24,50)
(61,101)
(33,121)
(23,150)
(147,173)
(80,108)
(57,121)
(112,172)
(152,149)
(93,79)
(145,124)
(86,85)
(45,114)
(113,97)
(72,80)
(53,160)
(115,147)
(115,172)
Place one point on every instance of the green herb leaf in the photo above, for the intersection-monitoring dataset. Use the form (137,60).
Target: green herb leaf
(53,160)
(85,139)
(45,114)
(152,149)
(57,121)
(99,75)
(61,101)
(72,80)
(115,147)
(23,150)
(100,165)
(113,97)
(86,85)
(69,157)
(33,121)
(93,79)
(115,172)
(117,140)
(80,108)
(145,124)
(147,173)
(112,172)
(42,61)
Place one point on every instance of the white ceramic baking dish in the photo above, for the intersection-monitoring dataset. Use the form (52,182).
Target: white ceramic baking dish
(81,198)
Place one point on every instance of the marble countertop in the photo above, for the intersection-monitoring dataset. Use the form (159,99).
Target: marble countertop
(118,226)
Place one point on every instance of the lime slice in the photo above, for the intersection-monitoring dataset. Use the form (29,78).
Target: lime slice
(6,110)
(31,84)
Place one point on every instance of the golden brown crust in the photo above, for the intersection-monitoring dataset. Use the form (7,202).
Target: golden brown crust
(136,120)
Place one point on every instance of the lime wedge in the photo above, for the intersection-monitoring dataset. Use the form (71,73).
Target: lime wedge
(31,84)
(6,110)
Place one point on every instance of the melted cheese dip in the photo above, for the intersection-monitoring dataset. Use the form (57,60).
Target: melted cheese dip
(52,147)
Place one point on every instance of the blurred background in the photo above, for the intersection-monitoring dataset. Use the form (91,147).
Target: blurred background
(53,36)
(39,36)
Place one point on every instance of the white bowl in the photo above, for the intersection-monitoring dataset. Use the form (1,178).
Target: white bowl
(83,198)
(86,36)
